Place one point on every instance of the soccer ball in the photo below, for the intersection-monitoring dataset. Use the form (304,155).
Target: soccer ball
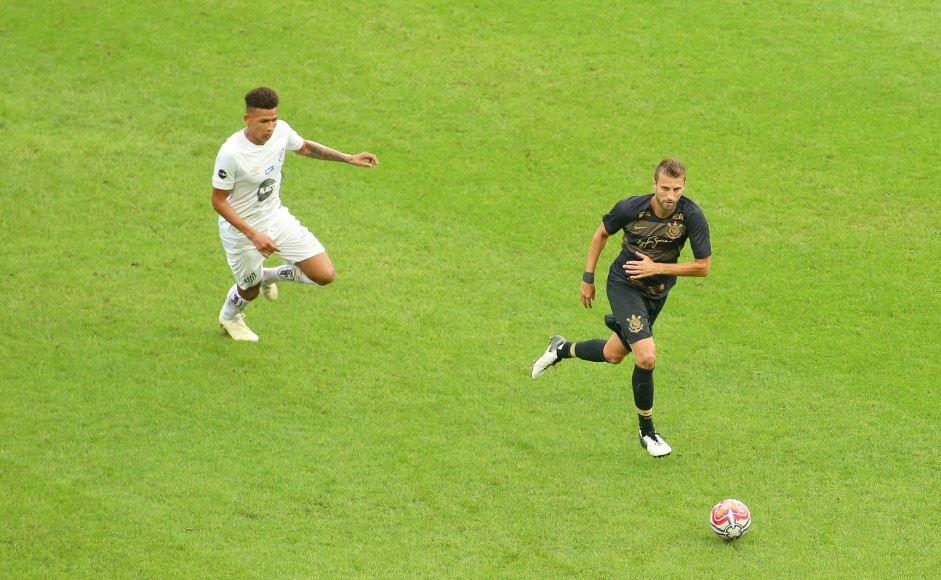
(730,519)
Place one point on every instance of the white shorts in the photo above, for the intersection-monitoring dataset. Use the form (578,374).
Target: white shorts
(296,243)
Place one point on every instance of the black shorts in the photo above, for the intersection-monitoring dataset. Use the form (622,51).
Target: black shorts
(633,312)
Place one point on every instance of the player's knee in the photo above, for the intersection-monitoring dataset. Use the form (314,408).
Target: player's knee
(250,293)
(612,354)
(327,277)
(646,361)
(320,276)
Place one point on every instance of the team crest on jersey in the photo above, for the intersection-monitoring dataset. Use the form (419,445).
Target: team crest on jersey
(674,230)
(634,323)
(256,170)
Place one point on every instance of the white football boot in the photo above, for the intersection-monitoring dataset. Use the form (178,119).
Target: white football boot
(269,291)
(548,358)
(237,329)
(654,444)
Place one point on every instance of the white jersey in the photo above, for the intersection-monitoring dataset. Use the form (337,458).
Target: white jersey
(253,173)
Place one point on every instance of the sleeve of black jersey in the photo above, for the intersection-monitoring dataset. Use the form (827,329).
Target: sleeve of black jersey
(698,232)
(618,217)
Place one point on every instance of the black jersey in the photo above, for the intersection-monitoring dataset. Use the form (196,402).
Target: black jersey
(661,239)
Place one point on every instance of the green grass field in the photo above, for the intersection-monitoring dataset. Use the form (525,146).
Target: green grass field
(386,425)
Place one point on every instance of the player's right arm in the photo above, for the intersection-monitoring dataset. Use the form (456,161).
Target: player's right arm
(598,242)
(262,241)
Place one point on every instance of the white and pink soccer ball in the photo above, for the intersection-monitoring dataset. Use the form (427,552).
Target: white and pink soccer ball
(730,519)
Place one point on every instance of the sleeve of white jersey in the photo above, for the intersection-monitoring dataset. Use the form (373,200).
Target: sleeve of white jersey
(295,141)
(225,171)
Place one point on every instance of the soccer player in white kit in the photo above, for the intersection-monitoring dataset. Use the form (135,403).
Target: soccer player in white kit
(246,192)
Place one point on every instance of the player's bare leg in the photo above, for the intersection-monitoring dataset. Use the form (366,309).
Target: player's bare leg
(250,293)
(645,353)
(314,270)
(614,350)
(319,269)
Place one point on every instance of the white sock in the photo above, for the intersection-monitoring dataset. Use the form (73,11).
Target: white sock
(285,273)
(234,303)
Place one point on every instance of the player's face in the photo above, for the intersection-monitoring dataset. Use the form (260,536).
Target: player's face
(667,192)
(260,124)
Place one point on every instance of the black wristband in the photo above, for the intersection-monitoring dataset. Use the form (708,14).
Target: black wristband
(588,277)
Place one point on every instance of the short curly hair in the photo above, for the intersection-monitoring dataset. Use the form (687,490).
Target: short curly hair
(261,98)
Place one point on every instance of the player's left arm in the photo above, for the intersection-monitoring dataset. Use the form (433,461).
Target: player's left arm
(646,267)
(315,150)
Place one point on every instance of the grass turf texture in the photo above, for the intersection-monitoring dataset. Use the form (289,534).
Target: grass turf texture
(386,425)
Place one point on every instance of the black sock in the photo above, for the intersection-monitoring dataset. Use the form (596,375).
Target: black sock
(565,351)
(590,350)
(642,383)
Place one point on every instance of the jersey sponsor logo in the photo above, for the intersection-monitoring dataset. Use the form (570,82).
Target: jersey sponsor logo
(266,189)
(652,242)
(269,170)
(223,174)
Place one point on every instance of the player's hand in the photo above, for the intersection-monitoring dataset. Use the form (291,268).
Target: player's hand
(265,245)
(640,269)
(588,294)
(364,159)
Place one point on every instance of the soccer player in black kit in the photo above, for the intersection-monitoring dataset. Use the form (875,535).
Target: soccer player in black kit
(656,227)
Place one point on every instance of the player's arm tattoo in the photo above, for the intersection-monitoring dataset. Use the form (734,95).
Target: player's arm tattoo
(318,151)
